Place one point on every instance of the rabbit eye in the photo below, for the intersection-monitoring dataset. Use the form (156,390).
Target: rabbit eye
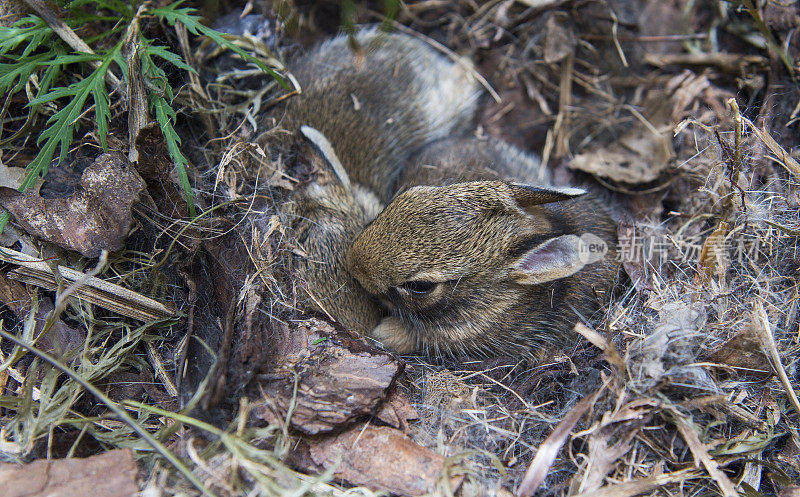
(418,288)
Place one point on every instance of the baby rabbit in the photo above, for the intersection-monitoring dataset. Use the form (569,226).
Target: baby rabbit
(367,111)
(471,264)
(473,255)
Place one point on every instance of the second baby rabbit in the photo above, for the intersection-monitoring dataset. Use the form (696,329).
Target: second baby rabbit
(472,255)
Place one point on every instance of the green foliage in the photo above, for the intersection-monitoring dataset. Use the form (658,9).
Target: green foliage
(172,14)
(34,60)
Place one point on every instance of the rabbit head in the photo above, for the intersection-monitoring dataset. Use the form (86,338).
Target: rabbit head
(481,267)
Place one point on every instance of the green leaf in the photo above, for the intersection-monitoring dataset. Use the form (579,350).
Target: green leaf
(173,58)
(102,113)
(14,76)
(61,126)
(165,116)
(31,29)
(172,14)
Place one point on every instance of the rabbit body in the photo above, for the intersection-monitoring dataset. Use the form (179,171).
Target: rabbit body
(472,254)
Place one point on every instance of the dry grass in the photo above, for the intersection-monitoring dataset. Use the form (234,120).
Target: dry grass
(683,385)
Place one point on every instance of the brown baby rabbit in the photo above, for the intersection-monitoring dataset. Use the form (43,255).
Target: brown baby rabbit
(471,256)
(365,112)
(471,264)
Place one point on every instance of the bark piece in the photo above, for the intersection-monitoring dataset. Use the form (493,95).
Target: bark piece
(338,379)
(380,458)
(111,474)
(96,217)
(34,271)
(397,410)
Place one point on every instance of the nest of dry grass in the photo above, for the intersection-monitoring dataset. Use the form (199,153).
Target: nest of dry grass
(684,117)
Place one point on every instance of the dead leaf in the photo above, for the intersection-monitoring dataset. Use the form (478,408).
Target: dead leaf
(96,217)
(713,260)
(110,474)
(14,296)
(559,38)
(639,487)
(611,440)
(397,410)
(11,177)
(155,165)
(60,339)
(744,353)
(382,459)
(631,254)
(639,156)
(731,63)
(609,349)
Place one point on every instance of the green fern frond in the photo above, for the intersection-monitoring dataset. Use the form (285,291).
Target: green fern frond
(61,125)
(31,30)
(172,14)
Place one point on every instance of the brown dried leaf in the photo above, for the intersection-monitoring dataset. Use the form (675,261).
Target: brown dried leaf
(631,256)
(110,474)
(639,156)
(612,440)
(781,155)
(14,296)
(380,458)
(11,177)
(96,217)
(560,39)
(744,353)
(731,63)
(155,165)
(60,338)
(790,492)
(638,487)
(713,260)
(609,349)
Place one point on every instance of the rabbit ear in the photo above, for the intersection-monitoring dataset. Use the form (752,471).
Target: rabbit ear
(324,146)
(554,259)
(527,195)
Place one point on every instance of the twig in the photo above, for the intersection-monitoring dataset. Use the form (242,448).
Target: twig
(548,450)
(94,290)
